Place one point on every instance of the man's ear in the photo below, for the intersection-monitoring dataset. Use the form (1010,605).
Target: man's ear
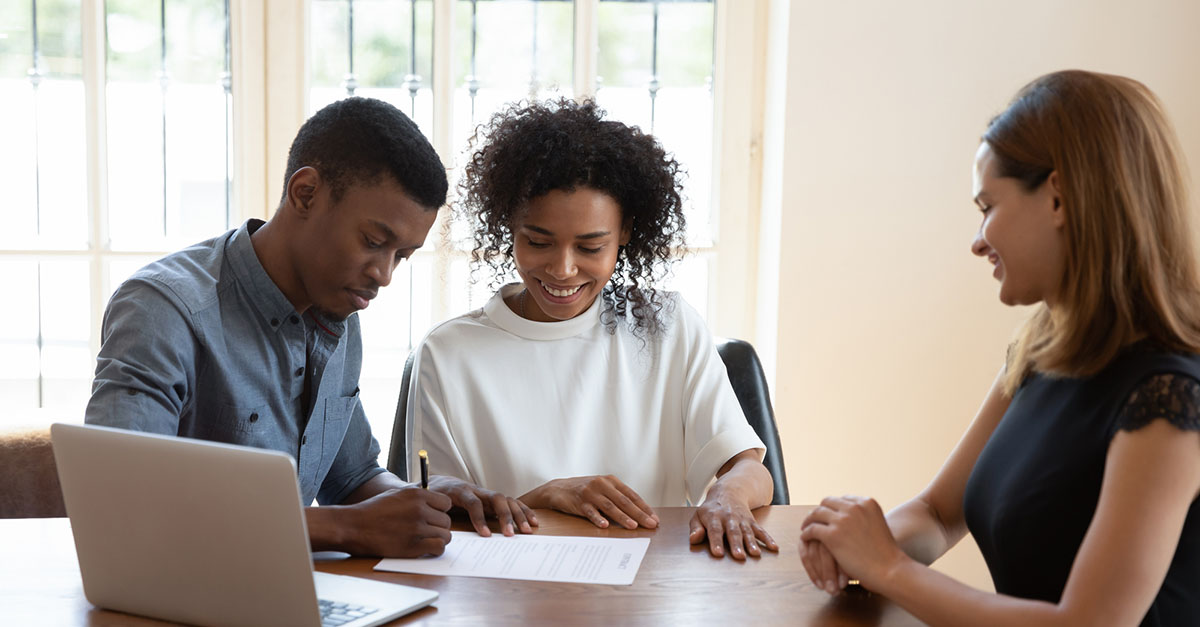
(302,188)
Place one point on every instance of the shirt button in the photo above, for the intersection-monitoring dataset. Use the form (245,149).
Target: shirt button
(274,322)
(299,371)
(294,320)
(131,391)
(254,417)
(303,440)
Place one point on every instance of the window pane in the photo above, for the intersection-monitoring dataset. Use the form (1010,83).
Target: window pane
(509,51)
(60,38)
(466,295)
(19,334)
(168,174)
(67,363)
(16,40)
(683,113)
(42,112)
(690,278)
(387,64)
(47,361)
(385,330)
(658,75)
(62,164)
(18,167)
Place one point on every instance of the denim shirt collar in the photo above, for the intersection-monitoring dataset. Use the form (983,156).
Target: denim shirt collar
(266,297)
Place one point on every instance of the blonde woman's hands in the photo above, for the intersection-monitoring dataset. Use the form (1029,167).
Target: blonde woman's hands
(597,498)
(822,569)
(856,534)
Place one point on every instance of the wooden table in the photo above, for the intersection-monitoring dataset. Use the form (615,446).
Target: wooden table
(677,584)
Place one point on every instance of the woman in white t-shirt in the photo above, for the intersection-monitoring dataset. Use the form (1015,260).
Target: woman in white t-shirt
(582,387)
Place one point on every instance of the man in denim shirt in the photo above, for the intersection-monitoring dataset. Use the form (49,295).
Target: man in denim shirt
(251,337)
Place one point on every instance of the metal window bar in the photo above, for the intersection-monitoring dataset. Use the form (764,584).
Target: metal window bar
(227,86)
(164,82)
(351,81)
(41,344)
(35,79)
(533,60)
(473,80)
(653,84)
(412,80)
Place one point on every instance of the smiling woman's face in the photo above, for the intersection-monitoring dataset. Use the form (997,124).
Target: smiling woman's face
(1020,234)
(565,247)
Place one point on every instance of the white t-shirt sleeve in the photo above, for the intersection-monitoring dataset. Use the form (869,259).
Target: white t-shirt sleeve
(715,429)
(428,421)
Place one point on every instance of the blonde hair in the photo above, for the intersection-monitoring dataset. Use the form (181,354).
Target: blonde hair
(1130,269)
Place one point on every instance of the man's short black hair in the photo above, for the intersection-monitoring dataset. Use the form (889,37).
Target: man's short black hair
(357,140)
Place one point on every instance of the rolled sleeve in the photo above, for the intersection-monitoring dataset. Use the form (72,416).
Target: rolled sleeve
(143,379)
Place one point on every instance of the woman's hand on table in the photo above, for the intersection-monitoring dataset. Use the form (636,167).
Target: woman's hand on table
(723,518)
(597,498)
(479,503)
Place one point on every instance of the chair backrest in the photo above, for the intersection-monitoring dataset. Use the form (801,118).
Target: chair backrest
(750,385)
(29,485)
(398,455)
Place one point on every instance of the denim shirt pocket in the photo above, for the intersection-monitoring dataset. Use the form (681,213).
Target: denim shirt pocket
(338,412)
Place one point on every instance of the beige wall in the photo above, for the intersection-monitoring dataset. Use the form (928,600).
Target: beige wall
(889,331)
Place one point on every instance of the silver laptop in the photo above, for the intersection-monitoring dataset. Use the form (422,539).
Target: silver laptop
(203,533)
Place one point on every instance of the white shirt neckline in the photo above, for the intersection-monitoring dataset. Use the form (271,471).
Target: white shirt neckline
(499,313)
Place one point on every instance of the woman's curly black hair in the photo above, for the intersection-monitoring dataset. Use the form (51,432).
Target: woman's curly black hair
(531,149)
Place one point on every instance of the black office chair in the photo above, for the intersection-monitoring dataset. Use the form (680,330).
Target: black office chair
(398,455)
(745,374)
(750,386)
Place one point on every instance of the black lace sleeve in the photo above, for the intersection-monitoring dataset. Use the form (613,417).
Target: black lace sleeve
(1174,397)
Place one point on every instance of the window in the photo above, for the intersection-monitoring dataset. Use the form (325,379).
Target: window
(146,126)
(160,83)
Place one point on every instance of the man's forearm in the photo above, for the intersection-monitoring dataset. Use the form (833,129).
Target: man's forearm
(378,484)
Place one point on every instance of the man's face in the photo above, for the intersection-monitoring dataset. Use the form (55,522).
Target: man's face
(346,251)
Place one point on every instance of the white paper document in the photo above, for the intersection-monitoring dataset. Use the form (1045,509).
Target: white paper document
(574,559)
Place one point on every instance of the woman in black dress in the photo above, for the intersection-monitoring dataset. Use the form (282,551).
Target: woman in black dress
(1080,474)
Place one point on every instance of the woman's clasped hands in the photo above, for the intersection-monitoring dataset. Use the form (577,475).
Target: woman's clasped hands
(847,538)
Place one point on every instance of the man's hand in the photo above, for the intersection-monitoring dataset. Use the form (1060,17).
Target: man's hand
(398,522)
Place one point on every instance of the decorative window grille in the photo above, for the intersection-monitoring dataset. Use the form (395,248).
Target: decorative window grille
(117,122)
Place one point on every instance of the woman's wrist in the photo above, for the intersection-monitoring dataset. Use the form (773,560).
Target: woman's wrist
(891,574)
(535,498)
(727,494)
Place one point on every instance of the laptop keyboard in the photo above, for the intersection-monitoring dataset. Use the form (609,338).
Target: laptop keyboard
(334,613)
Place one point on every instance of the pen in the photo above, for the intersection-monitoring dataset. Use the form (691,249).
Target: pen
(424,468)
